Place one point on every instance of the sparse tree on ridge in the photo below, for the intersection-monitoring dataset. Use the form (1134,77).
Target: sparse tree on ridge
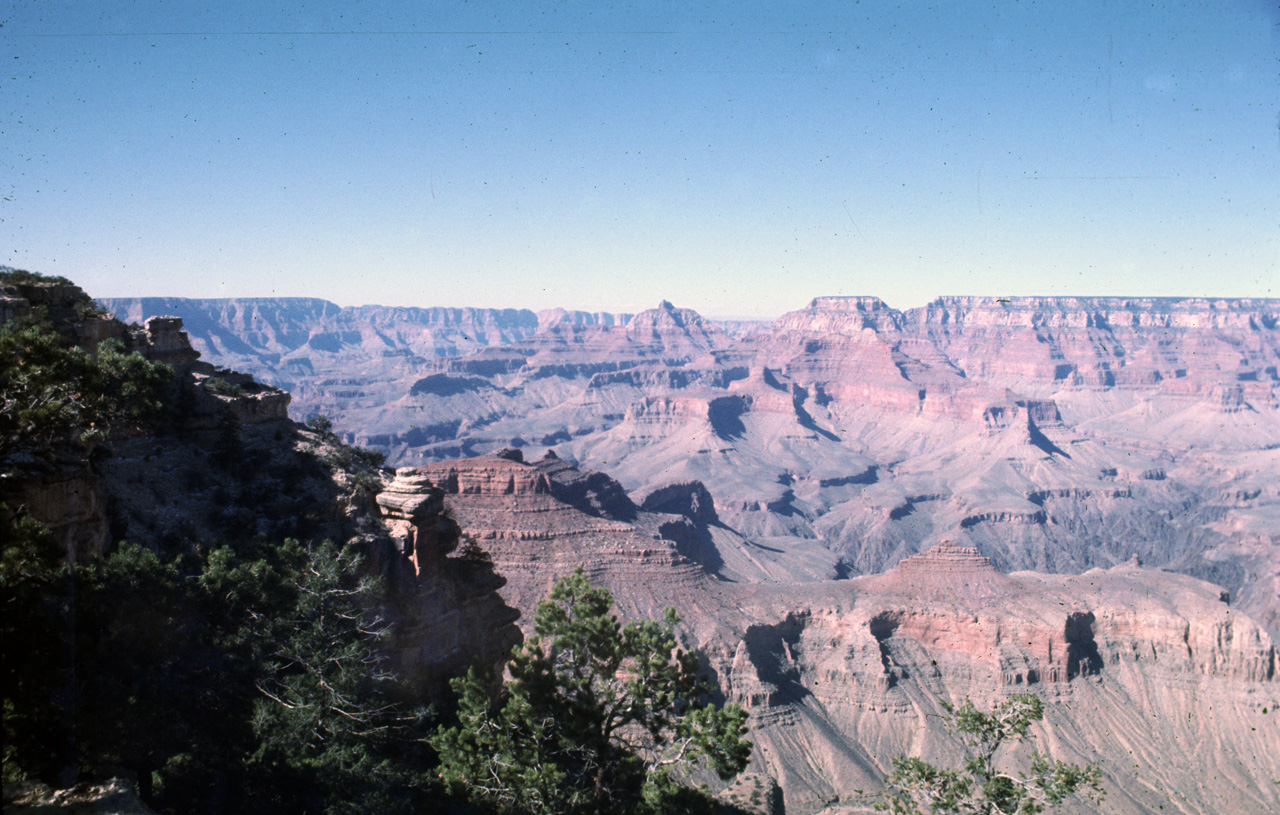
(915,786)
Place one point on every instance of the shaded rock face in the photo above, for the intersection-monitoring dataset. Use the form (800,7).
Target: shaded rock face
(689,498)
(232,467)
(64,497)
(450,613)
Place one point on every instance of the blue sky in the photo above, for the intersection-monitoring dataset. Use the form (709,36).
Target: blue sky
(734,158)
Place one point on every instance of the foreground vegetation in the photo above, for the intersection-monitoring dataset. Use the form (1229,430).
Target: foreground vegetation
(981,787)
(596,717)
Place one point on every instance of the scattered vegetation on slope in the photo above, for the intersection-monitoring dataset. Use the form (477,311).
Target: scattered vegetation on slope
(916,786)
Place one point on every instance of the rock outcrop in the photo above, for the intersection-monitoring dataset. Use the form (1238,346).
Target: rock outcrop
(451,614)
(114,797)
(231,466)
(539,521)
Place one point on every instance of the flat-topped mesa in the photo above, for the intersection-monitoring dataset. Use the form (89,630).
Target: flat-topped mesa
(590,491)
(865,303)
(841,315)
(1026,415)
(486,475)
(1099,312)
(945,573)
(553,317)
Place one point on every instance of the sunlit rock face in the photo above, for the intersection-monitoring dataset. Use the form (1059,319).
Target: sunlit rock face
(539,521)
(1059,434)
(1143,671)
(841,675)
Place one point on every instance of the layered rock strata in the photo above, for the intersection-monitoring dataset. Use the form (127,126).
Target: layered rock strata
(840,676)
(1056,433)
(539,521)
(1142,671)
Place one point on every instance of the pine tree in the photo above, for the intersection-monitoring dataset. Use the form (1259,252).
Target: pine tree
(597,717)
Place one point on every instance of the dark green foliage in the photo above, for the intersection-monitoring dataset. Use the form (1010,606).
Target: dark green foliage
(220,386)
(321,424)
(34,584)
(88,309)
(370,458)
(327,706)
(472,552)
(247,682)
(21,277)
(365,483)
(360,466)
(916,786)
(597,717)
(51,394)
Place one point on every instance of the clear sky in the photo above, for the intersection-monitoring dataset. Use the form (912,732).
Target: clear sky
(735,158)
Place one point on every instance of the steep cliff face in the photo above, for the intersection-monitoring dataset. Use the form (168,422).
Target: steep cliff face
(230,465)
(1177,345)
(452,615)
(1145,672)
(539,521)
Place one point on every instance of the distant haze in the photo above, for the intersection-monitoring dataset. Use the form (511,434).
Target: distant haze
(737,158)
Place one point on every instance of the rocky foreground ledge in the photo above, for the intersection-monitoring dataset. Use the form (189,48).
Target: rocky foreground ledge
(114,797)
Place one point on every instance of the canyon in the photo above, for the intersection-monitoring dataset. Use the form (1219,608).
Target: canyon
(863,512)
(1144,671)
(1056,434)
(860,513)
